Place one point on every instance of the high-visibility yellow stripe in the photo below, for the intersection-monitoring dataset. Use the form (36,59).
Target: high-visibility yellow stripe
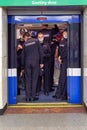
(43,105)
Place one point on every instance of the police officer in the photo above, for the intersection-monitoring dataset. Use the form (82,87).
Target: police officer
(46,61)
(47,36)
(31,61)
(20,43)
(46,32)
(54,44)
(61,92)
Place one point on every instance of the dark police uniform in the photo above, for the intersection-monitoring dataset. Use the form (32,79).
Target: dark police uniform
(19,56)
(46,62)
(47,34)
(19,52)
(53,49)
(48,37)
(62,52)
(31,59)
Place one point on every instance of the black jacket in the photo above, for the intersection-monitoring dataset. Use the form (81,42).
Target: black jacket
(47,35)
(62,51)
(32,51)
(19,52)
(46,49)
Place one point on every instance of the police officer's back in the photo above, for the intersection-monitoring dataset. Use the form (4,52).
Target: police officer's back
(31,60)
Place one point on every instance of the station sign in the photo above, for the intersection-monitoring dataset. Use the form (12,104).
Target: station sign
(42,2)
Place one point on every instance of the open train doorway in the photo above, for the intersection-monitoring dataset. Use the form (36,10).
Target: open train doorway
(34,29)
(33,24)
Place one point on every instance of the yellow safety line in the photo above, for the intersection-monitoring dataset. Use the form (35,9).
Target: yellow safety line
(47,103)
(43,105)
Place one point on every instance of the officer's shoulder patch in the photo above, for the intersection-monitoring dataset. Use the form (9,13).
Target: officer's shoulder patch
(30,43)
(61,45)
(46,35)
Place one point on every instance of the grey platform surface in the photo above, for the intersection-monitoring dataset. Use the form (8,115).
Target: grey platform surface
(44,121)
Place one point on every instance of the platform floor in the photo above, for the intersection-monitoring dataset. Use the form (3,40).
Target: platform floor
(62,121)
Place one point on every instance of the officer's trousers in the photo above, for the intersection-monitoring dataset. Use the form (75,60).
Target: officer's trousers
(31,78)
(52,74)
(62,85)
(46,82)
(46,77)
(18,76)
(39,84)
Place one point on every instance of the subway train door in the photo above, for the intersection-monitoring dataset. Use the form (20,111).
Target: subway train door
(12,71)
(73,46)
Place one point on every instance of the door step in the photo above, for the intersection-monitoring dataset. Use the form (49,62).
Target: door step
(30,108)
(43,105)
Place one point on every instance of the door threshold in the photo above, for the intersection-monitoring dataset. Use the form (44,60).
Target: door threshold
(44,105)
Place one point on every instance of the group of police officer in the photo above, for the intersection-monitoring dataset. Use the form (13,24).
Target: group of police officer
(36,60)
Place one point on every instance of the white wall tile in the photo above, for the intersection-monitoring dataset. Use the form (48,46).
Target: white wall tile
(85,90)
(85,56)
(3,57)
(0,34)
(0,82)
(4,80)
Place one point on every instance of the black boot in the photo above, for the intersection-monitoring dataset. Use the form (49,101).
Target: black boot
(28,99)
(35,99)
